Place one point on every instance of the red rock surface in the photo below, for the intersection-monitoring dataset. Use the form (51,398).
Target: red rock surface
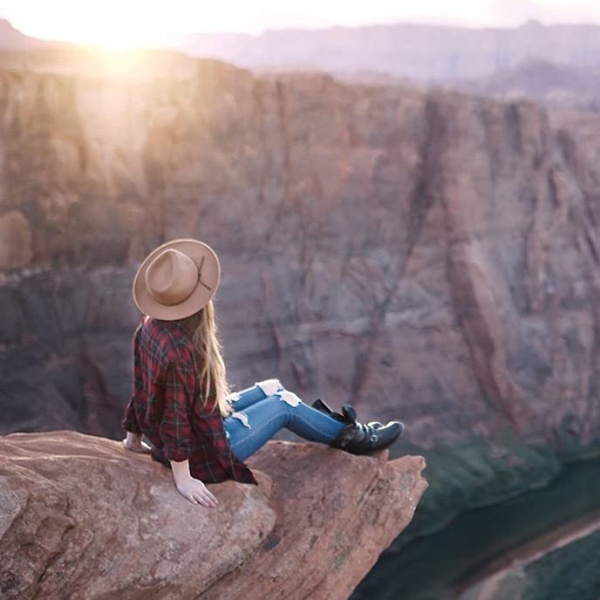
(84,519)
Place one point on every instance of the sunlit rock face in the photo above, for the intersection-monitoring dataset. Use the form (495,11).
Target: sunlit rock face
(80,517)
(428,256)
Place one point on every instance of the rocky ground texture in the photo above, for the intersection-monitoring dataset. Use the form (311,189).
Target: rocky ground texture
(83,518)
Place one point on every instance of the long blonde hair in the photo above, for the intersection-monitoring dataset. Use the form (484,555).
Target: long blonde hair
(212,371)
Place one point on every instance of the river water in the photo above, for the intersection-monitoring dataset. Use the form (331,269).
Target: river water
(480,542)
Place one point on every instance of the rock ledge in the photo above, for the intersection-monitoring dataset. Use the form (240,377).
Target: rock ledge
(81,517)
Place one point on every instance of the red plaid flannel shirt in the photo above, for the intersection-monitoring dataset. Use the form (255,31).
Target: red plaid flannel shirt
(167,406)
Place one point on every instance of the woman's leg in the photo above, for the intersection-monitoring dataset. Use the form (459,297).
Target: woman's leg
(259,391)
(251,428)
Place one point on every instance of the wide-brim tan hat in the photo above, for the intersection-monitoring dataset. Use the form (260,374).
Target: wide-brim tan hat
(176,280)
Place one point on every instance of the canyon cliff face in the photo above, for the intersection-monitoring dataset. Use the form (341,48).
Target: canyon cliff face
(558,86)
(427,256)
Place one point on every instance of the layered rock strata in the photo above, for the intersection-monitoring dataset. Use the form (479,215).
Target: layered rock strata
(425,255)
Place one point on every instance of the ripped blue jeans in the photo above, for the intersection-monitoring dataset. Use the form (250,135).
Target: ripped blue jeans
(266,408)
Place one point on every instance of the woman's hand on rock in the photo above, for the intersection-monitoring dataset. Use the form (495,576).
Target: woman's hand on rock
(135,443)
(196,492)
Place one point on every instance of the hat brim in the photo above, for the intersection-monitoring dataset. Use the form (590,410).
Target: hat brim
(200,297)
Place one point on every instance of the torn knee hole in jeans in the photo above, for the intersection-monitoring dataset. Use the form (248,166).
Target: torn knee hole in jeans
(243,417)
(289,398)
(270,387)
(273,387)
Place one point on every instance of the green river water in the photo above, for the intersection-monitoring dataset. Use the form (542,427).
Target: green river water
(436,566)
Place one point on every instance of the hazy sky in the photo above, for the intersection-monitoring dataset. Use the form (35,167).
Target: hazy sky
(149,21)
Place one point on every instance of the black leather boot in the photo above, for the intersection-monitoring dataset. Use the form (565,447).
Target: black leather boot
(358,438)
(319,405)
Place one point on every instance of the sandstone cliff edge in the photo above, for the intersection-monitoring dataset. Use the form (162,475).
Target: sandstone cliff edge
(81,517)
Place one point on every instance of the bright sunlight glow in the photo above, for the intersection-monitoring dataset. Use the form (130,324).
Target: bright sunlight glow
(130,24)
(114,24)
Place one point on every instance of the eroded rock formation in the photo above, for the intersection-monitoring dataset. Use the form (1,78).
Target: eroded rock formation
(80,517)
(426,255)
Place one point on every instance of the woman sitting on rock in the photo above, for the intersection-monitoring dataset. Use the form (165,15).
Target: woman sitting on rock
(181,401)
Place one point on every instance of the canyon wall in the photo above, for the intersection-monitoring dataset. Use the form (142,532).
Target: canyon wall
(427,256)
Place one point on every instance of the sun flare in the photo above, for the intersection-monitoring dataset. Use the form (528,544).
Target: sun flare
(117,25)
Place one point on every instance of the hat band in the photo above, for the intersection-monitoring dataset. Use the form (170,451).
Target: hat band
(168,298)
(172,277)
(176,279)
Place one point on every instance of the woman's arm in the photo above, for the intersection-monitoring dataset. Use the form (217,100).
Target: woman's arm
(176,430)
(134,442)
(192,489)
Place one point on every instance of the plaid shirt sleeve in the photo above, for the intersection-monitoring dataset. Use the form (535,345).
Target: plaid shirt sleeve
(130,421)
(175,428)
